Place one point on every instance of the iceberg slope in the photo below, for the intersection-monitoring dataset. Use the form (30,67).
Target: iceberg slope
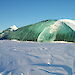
(30,58)
(61,30)
(30,32)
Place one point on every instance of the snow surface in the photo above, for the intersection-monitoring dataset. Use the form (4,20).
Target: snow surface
(34,58)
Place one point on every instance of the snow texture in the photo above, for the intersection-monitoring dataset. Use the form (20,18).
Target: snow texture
(34,58)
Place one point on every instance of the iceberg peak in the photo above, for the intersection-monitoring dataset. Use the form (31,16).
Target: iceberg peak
(13,28)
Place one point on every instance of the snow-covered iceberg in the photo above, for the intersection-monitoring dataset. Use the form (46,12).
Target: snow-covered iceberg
(13,28)
(30,32)
(4,34)
(61,30)
(46,31)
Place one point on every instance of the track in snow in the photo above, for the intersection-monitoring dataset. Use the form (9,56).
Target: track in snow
(34,58)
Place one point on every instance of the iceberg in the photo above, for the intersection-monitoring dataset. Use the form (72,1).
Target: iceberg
(30,32)
(45,31)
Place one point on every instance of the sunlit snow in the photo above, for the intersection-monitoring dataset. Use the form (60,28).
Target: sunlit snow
(35,58)
(70,23)
(13,28)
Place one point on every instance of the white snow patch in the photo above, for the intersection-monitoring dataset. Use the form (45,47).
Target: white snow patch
(13,28)
(70,23)
(55,26)
(15,40)
(59,42)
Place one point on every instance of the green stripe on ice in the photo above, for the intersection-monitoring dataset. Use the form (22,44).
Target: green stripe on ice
(62,32)
(30,32)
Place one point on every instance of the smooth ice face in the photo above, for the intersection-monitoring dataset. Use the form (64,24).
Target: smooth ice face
(33,58)
(48,34)
(63,30)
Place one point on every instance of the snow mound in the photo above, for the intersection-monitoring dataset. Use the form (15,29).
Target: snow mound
(13,28)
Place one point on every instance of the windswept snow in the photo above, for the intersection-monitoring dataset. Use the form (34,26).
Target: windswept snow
(34,58)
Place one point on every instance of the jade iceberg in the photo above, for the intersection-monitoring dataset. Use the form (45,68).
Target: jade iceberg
(45,31)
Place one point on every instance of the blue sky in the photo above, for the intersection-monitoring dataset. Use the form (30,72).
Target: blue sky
(24,12)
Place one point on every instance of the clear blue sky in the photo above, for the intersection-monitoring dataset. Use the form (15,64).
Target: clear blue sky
(24,12)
